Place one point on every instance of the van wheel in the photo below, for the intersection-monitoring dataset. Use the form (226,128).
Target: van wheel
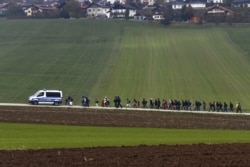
(35,103)
(56,103)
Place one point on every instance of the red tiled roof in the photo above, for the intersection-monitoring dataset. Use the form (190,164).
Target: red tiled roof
(3,5)
(45,7)
(222,8)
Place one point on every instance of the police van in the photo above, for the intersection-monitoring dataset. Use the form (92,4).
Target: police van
(46,97)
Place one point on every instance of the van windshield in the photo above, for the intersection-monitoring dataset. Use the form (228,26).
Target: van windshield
(38,93)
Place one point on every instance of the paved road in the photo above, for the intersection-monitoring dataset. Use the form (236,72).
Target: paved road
(113,108)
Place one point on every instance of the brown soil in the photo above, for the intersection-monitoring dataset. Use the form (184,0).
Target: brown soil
(144,156)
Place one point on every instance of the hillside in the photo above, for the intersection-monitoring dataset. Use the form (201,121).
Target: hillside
(129,59)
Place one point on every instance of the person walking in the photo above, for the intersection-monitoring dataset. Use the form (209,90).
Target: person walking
(69,101)
(238,107)
(96,102)
(225,107)
(144,103)
(128,103)
(119,102)
(231,106)
(204,105)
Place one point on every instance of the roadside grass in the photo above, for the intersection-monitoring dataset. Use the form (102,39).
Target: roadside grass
(36,136)
(129,59)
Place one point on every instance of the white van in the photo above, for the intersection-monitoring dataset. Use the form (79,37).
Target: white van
(46,97)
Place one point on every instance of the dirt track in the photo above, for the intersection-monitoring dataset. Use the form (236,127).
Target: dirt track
(162,155)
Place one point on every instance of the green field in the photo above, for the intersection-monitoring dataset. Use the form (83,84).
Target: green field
(129,59)
(29,136)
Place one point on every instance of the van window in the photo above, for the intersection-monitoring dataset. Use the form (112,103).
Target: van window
(53,94)
(40,94)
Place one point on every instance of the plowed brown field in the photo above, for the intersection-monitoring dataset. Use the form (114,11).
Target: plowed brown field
(142,156)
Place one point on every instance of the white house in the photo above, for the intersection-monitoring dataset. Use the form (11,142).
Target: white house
(38,8)
(96,10)
(114,1)
(29,11)
(215,1)
(219,10)
(3,8)
(241,3)
(197,5)
(149,2)
(177,5)
(119,11)
(158,13)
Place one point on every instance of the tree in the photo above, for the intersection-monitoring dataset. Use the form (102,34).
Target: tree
(95,1)
(35,1)
(187,12)
(227,2)
(168,16)
(64,14)
(73,8)
(127,14)
(129,2)
(159,2)
(183,9)
(15,10)
(9,1)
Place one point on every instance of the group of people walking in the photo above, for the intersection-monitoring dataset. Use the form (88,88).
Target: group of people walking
(170,104)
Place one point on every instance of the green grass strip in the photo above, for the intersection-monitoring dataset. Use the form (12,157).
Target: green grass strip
(35,136)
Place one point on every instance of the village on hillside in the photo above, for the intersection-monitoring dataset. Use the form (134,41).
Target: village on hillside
(165,11)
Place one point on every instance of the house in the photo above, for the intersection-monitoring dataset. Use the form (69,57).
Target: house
(241,3)
(139,17)
(95,10)
(121,10)
(29,11)
(197,16)
(39,8)
(148,2)
(158,13)
(45,8)
(27,8)
(197,5)
(3,8)
(144,14)
(151,13)
(51,3)
(116,1)
(219,10)
(176,5)
(215,1)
